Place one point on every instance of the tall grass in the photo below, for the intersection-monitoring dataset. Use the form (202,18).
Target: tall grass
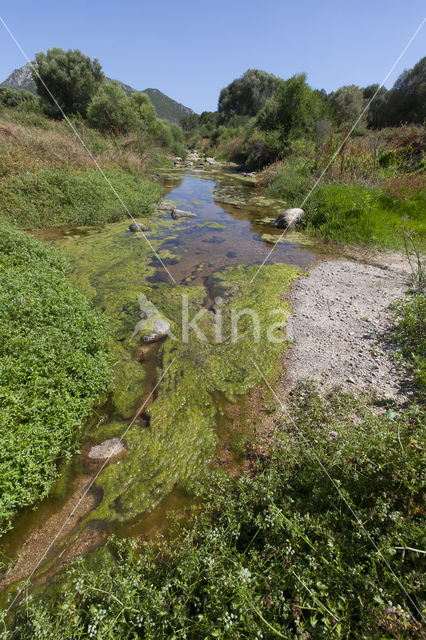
(351,214)
(48,178)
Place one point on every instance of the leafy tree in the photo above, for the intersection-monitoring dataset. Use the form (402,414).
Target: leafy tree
(146,109)
(407,99)
(378,106)
(190,121)
(347,103)
(70,76)
(112,110)
(247,95)
(293,110)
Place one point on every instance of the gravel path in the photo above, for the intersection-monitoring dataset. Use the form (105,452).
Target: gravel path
(338,312)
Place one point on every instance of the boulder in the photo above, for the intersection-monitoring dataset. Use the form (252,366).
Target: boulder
(107,449)
(211,161)
(137,226)
(287,218)
(161,329)
(165,206)
(179,213)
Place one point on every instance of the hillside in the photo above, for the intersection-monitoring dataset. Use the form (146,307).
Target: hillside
(167,108)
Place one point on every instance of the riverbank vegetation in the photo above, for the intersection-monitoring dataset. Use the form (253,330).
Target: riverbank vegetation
(53,366)
(362,149)
(324,540)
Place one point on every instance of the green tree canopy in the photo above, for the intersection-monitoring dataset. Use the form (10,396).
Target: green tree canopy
(247,95)
(293,109)
(70,76)
(145,107)
(407,98)
(112,110)
(347,103)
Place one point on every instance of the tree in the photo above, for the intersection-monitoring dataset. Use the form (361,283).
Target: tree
(247,95)
(145,107)
(70,76)
(347,103)
(294,109)
(407,99)
(378,108)
(112,110)
(190,121)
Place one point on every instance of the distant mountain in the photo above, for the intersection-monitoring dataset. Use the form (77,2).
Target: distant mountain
(166,108)
(21,79)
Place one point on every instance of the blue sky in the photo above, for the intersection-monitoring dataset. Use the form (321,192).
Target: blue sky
(191,49)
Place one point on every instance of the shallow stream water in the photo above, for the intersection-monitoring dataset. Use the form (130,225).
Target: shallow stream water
(184,421)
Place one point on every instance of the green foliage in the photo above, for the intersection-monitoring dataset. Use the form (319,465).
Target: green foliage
(70,76)
(292,180)
(347,103)
(410,331)
(356,214)
(19,99)
(55,197)
(113,111)
(407,99)
(247,95)
(146,108)
(53,365)
(293,110)
(276,555)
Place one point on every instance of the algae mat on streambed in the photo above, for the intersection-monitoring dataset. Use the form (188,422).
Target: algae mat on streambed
(176,439)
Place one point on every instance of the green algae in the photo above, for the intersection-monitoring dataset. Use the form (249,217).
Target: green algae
(212,225)
(181,438)
(174,442)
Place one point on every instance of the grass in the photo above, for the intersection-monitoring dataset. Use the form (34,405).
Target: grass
(354,214)
(47,177)
(276,555)
(53,365)
(56,197)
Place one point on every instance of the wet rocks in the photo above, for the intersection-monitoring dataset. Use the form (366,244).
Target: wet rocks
(165,206)
(160,330)
(137,226)
(111,448)
(179,213)
(287,218)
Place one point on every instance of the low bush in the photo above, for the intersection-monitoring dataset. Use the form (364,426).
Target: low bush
(410,332)
(53,365)
(277,555)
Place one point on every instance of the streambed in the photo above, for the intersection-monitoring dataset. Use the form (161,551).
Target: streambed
(182,387)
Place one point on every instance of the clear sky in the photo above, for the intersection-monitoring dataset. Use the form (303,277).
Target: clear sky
(191,49)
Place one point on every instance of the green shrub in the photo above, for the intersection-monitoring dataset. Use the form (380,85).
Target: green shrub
(19,99)
(292,181)
(53,365)
(55,197)
(276,555)
(112,110)
(410,331)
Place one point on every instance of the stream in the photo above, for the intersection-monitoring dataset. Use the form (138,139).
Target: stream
(187,424)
